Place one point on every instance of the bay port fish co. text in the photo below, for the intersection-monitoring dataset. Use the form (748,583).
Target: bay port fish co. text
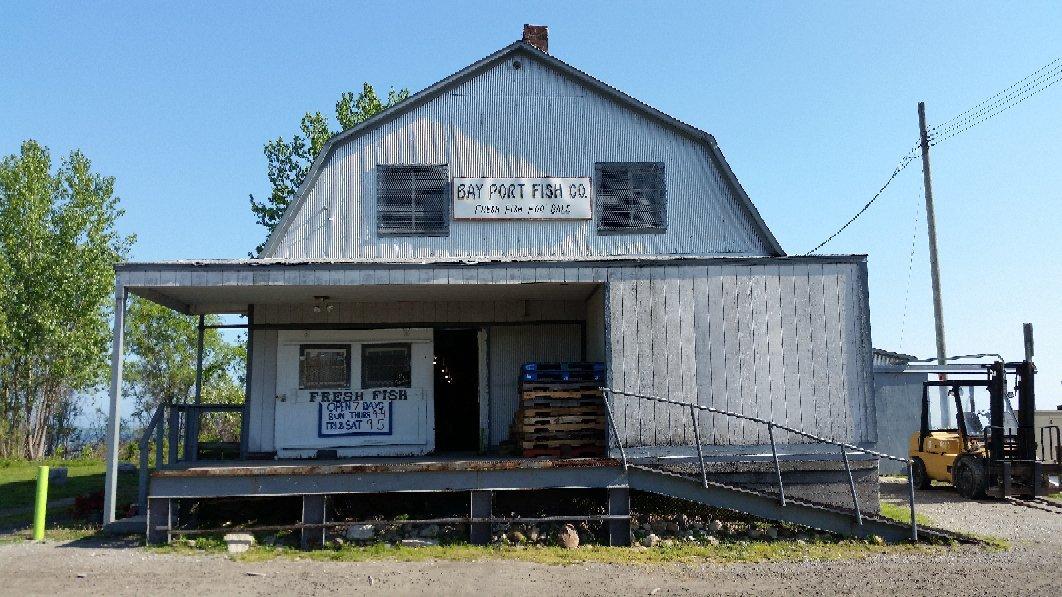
(517,199)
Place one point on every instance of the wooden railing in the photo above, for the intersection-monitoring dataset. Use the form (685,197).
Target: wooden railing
(165,429)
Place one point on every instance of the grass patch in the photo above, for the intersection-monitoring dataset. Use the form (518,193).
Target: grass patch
(1055,496)
(727,552)
(902,513)
(18,488)
(56,534)
(991,542)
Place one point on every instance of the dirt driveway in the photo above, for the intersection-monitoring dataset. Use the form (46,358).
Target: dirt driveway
(1032,567)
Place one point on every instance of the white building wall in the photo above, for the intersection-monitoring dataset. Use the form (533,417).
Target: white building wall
(784,339)
(788,343)
(513,341)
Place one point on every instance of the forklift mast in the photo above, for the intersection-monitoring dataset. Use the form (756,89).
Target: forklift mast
(1025,371)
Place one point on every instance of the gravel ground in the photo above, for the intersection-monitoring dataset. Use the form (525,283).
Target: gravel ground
(1031,567)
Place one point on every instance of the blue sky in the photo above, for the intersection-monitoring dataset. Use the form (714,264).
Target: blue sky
(812,103)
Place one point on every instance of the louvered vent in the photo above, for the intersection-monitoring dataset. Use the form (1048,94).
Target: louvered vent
(631,196)
(413,200)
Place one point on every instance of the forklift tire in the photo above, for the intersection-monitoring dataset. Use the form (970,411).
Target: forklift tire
(921,476)
(971,477)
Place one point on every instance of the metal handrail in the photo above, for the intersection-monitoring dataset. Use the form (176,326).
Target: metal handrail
(771,425)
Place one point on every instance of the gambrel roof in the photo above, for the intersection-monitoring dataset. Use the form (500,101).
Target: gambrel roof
(527,50)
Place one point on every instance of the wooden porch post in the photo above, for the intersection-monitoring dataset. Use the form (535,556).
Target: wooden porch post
(159,520)
(110,483)
(191,423)
(245,418)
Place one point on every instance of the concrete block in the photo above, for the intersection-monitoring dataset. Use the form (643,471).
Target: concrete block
(417,542)
(239,542)
(360,532)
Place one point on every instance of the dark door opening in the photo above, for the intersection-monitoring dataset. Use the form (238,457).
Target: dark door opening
(456,390)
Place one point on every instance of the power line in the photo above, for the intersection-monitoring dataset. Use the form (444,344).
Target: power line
(1038,81)
(988,99)
(1031,88)
(935,140)
(904,162)
(910,268)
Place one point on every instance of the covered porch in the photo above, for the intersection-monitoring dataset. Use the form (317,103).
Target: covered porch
(444,342)
(478,322)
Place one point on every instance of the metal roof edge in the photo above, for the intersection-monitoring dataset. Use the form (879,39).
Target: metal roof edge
(746,201)
(609,261)
(462,75)
(417,99)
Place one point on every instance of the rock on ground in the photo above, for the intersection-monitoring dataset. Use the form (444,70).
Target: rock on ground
(568,537)
(98,567)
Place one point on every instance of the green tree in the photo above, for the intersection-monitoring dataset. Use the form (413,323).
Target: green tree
(58,247)
(287,162)
(161,367)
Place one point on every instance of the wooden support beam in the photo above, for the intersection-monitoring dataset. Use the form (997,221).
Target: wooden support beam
(159,521)
(482,506)
(313,512)
(619,504)
(245,417)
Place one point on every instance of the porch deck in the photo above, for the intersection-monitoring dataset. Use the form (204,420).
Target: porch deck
(743,483)
(315,480)
(432,462)
(377,475)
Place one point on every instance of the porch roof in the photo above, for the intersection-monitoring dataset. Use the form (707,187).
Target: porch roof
(229,286)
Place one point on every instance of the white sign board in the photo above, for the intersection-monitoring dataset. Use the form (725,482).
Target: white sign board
(358,412)
(378,421)
(548,198)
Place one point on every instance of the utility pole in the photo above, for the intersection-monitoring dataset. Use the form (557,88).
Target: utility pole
(934,268)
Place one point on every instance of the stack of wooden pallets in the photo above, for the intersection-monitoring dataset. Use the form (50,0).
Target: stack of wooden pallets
(562,411)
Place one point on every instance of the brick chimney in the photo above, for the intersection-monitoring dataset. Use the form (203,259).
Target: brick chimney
(538,36)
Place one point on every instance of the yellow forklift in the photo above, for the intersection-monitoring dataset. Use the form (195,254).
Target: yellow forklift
(987,453)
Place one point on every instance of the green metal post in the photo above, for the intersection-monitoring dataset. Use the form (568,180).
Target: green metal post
(41,506)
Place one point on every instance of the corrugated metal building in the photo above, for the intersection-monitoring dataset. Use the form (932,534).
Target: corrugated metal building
(898,401)
(654,262)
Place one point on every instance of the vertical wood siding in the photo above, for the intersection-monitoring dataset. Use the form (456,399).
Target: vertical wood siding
(529,122)
(789,343)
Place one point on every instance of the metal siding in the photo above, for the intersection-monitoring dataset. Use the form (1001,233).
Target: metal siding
(513,345)
(529,122)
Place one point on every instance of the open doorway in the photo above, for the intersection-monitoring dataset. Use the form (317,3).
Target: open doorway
(456,390)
